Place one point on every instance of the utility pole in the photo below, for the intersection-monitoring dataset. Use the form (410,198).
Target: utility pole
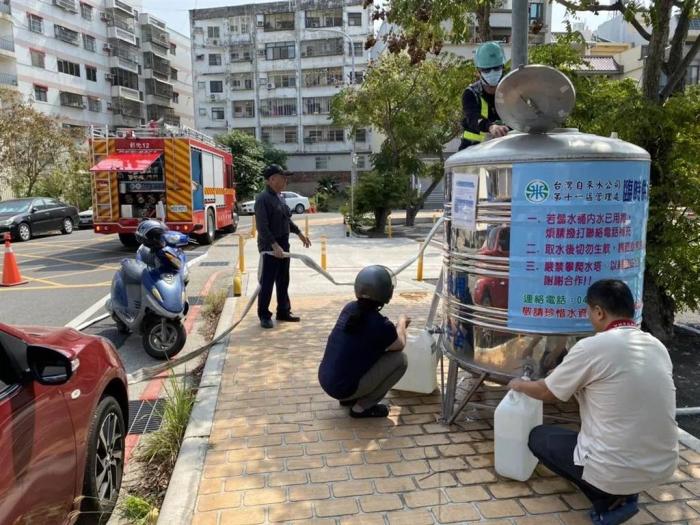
(519,36)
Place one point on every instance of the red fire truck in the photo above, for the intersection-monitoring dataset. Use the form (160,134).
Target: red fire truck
(178,175)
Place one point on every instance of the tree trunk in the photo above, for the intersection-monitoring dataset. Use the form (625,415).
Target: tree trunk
(411,212)
(483,15)
(659,309)
(380,215)
(651,81)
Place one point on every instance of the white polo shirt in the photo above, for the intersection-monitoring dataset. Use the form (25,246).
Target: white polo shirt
(623,382)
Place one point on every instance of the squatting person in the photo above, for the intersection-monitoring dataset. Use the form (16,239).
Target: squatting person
(623,382)
(363,357)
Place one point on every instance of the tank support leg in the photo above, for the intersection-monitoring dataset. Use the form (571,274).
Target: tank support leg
(452,390)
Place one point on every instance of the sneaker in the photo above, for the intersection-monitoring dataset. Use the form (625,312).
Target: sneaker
(266,323)
(375,411)
(618,515)
(289,318)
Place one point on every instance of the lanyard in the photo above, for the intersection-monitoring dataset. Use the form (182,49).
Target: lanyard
(619,323)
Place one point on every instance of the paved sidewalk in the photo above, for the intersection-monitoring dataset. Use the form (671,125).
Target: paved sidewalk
(283,451)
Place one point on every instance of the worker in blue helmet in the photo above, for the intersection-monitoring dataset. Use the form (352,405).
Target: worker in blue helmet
(478,100)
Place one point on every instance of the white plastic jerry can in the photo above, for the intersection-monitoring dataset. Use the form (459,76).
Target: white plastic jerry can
(516,415)
(422,358)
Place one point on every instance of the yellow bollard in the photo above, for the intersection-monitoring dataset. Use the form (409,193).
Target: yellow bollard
(237,286)
(306,225)
(388,226)
(253,231)
(324,252)
(434,218)
(241,253)
(419,269)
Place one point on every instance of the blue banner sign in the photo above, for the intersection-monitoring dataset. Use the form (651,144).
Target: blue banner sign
(574,223)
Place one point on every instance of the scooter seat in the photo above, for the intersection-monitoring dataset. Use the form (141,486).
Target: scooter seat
(132,270)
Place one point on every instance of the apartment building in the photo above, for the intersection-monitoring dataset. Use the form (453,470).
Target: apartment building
(95,63)
(271,70)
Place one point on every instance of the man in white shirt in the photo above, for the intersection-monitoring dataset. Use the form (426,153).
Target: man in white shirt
(622,379)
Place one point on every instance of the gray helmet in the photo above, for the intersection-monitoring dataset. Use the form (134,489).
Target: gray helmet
(375,282)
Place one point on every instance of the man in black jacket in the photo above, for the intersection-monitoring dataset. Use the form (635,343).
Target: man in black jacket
(273,219)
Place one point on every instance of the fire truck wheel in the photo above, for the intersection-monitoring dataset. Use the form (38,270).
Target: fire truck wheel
(208,237)
(128,240)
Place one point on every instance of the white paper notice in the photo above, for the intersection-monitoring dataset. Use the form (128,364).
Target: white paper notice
(464,188)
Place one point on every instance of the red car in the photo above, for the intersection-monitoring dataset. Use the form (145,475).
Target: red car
(63,408)
(493,291)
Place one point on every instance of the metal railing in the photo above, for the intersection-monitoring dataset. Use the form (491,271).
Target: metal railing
(6,44)
(8,79)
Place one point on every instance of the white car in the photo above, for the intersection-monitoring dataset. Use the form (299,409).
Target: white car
(296,203)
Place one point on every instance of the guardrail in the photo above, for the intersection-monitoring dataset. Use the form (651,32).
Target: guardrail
(8,79)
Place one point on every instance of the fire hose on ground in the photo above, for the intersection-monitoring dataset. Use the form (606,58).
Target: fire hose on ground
(151,372)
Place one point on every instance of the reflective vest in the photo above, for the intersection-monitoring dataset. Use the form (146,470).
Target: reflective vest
(479,137)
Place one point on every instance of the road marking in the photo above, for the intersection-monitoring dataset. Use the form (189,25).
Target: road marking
(62,275)
(45,281)
(54,287)
(63,260)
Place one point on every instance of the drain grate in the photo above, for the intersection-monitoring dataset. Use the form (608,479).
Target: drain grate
(215,263)
(195,300)
(145,416)
(227,245)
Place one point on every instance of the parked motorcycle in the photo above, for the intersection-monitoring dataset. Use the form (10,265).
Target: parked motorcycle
(148,292)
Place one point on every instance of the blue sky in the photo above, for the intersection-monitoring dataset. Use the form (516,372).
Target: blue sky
(176,12)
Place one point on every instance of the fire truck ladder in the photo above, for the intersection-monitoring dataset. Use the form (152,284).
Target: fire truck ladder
(101,182)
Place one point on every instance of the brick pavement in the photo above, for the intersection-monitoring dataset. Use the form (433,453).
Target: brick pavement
(281,451)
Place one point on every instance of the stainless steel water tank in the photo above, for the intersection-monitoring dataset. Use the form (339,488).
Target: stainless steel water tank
(532,220)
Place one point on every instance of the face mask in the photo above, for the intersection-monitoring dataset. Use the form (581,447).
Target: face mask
(492,77)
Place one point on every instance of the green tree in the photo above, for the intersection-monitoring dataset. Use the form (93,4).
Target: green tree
(69,182)
(32,145)
(249,159)
(417,109)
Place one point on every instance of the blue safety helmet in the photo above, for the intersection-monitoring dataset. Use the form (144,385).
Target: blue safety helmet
(150,233)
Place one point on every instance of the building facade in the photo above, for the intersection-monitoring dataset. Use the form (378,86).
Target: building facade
(271,70)
(93,63)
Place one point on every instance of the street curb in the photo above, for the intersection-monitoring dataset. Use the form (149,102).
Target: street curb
(688,440)
(181,496)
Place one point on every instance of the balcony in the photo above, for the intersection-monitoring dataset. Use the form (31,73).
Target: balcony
(126,93)
(72,100)
(66,35)
(234,40)
(127,108)
(68,5)
(123,35)
(156,36)
(159,66)
(127,24)
(159,89)
(7,79)
(148,47)
(120,6)
(5,8)
(7,47)
(156,112)
(124,63)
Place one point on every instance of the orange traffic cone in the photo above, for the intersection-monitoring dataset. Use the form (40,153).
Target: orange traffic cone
(10,270)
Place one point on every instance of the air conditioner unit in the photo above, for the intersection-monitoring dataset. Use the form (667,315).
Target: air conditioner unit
(214,42)
(103,16)
(109,77)
(109,106)
(261,52)
(270,85)
(107,47)
(212,98)
(260,20)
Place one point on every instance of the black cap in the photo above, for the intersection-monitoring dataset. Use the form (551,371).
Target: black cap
(275,169)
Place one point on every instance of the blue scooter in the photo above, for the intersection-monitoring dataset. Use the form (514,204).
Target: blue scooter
(148,295)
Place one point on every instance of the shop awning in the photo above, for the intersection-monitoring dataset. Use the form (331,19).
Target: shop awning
(127,162)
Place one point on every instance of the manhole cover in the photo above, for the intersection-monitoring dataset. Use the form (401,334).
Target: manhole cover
(145,416)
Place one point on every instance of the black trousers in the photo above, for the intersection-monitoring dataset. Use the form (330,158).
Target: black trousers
(554,447)
(275,273)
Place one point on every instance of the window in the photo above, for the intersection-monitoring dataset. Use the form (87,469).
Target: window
(278,107)
(217,113)
(279,21)
(317,105)
(693,77)
(324,18)
(201,85)
(321,163)
(173,73)
(173,49)
(213,32)
(282,79)
(323,77)
(320,48)
(241,81)
(238,25)
(358,47)
(202,112)
(354,19)
(336,135)
(86,11)
(215,59)
(38,58)
(361,135)
(36,23)
(91,73)
(243,109)
(359,77)
(41,93)
(216,86)
(279,135)
(316,134)
(176,97)
(199,58)
(361,162)
(290,136)
(280,50)
(89,42)
(534,13)
(94,104)
(69,68)
(72,100)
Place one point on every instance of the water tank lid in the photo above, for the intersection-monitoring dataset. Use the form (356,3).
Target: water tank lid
(535,98)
